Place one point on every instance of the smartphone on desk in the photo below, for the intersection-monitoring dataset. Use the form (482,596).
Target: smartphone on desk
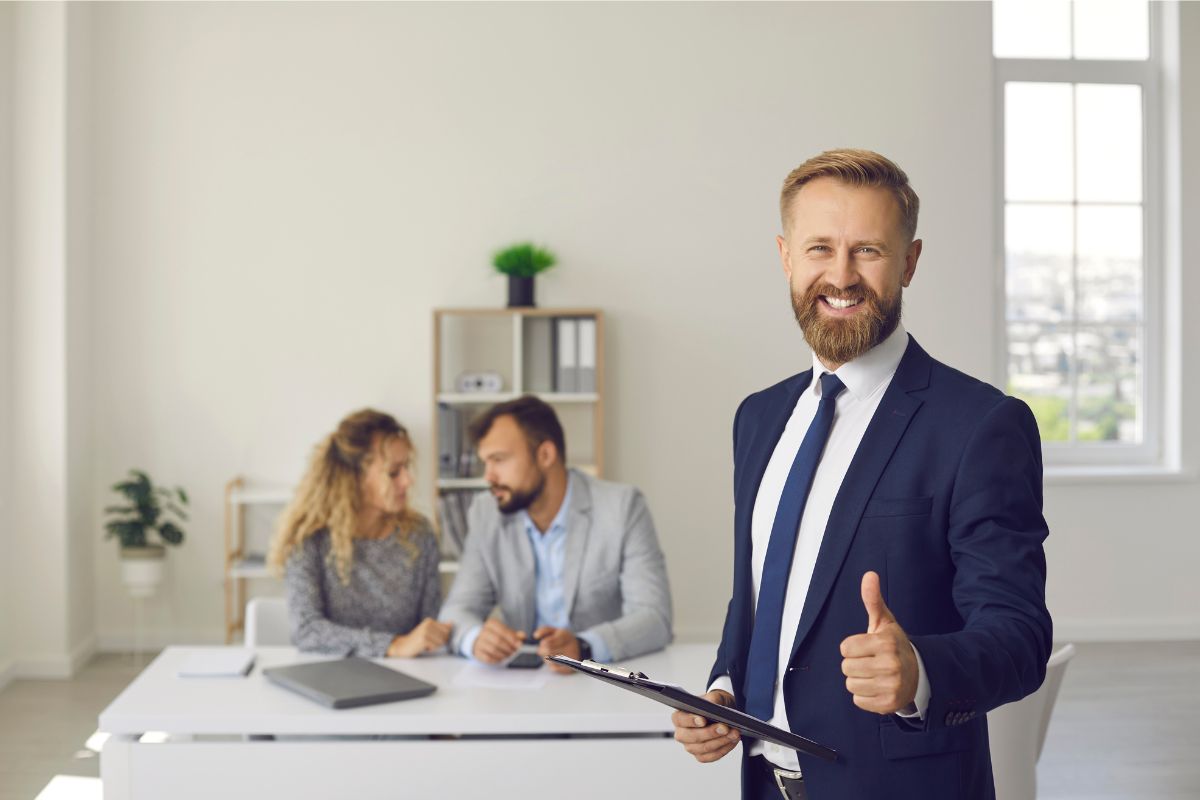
(527,656)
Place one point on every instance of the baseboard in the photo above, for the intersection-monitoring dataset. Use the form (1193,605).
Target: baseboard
(45,667)
(1065,630)
(82,654)
(153,641)
(8,671)
(1126,630)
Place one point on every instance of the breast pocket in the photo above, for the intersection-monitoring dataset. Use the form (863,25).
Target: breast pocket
(898,507)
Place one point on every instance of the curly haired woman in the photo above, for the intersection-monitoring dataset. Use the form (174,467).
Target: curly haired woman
(361,566)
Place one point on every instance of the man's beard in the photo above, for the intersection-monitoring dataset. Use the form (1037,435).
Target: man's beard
(519,501)
(839,341)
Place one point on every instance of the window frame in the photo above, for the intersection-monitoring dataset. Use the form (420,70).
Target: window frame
(1151,452)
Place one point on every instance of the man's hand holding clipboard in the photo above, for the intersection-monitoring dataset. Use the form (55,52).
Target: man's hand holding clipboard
(714,712)
(705,739)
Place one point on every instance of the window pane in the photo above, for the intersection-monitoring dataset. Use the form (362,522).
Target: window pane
(1031,28)
(1109,384)
(1109,140)
(1038,249)
(1038,141)
(1109,269)
(1039,360)
(1116,29)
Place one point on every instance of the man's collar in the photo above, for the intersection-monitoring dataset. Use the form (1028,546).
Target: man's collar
(560,519)
(866,373)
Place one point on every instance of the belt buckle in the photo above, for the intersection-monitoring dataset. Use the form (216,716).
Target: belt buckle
(786,774)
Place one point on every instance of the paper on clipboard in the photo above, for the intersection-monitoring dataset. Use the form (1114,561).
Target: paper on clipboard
(682,700)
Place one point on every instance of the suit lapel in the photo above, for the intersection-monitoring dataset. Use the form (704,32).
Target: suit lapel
(579,525)
(517,543)
(883,434)
(766,434)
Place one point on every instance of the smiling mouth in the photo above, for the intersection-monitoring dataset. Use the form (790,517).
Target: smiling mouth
(840,304)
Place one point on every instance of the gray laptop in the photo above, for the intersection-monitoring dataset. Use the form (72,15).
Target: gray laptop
(348,682)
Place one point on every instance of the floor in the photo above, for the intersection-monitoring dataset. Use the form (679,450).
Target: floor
(44,724)
(1125,725)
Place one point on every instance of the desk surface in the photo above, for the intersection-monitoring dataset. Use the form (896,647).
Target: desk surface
(159,700)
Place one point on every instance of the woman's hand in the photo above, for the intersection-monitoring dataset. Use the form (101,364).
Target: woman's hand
(429,635)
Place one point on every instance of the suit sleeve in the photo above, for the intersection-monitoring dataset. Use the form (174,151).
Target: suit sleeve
(645,621)
(996,530)
(721,665)
(473,595)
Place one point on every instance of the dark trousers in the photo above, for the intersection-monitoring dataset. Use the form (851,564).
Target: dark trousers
(757,781)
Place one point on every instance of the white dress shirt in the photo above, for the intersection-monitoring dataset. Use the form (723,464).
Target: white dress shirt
(866,379)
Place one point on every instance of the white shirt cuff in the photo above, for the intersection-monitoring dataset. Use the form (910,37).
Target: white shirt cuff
(600,651)
(467,646)
(920,704)
(722,682)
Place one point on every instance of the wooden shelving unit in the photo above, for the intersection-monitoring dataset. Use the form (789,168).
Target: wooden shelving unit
(241,564)
(513,343)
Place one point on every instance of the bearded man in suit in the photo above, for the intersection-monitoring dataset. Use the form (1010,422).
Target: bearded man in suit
(889,574)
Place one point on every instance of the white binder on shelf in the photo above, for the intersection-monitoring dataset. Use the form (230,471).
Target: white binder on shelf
(586,339)
(567,370)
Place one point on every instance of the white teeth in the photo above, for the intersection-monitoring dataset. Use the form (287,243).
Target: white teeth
(839,303)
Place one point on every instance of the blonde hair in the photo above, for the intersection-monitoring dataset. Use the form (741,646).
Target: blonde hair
(863,168)
(329,496)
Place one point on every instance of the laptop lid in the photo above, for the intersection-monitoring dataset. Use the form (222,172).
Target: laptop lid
(348,682)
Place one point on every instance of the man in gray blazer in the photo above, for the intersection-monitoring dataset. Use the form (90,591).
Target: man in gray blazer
(570,560)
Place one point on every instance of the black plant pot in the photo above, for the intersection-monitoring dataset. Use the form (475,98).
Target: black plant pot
(520,291)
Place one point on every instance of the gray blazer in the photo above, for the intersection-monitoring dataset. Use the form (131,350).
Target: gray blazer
(614,573)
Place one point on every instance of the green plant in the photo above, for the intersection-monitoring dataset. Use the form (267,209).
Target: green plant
(149,508)
(523,260)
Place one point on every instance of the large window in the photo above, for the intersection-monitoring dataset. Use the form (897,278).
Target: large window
(1078,87)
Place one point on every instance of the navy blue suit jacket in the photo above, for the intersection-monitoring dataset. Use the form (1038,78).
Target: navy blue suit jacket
(944,500)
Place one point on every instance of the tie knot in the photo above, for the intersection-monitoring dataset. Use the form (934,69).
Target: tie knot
(831,386)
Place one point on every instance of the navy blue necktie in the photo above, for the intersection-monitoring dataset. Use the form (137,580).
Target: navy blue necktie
(762,665)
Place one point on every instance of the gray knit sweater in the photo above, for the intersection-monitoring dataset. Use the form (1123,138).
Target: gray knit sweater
(389,592)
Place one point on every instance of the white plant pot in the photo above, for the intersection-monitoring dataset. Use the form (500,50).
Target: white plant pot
(142,569)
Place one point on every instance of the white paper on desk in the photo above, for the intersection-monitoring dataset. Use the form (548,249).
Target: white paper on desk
(481,676)
(232,663)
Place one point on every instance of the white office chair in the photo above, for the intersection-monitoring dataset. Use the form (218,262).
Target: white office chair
(1018,730)
(267,622)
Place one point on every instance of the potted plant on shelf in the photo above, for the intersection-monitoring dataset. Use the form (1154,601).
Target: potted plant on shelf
(521,263)
(148,509)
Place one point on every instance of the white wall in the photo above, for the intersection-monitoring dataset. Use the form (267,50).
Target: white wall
(49,629)
(80,458)
(280,193)
(38,549)
(6,157)
(285,191)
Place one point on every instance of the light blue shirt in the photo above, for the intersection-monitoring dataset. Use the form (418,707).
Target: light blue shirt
(549,552)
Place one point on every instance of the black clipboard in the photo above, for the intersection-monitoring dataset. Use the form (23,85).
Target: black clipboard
(678,698)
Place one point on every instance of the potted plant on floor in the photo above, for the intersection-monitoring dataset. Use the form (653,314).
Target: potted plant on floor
(147,510)
(521,263)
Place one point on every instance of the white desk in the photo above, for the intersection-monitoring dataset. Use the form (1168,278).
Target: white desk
(490,742)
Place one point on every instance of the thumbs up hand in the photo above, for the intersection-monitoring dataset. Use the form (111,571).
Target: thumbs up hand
(879,665)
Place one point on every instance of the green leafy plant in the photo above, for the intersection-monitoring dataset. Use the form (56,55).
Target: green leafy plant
(523,260)
(148,509)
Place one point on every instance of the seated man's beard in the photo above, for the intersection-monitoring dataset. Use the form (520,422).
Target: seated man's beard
(839,341)
(519,501)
